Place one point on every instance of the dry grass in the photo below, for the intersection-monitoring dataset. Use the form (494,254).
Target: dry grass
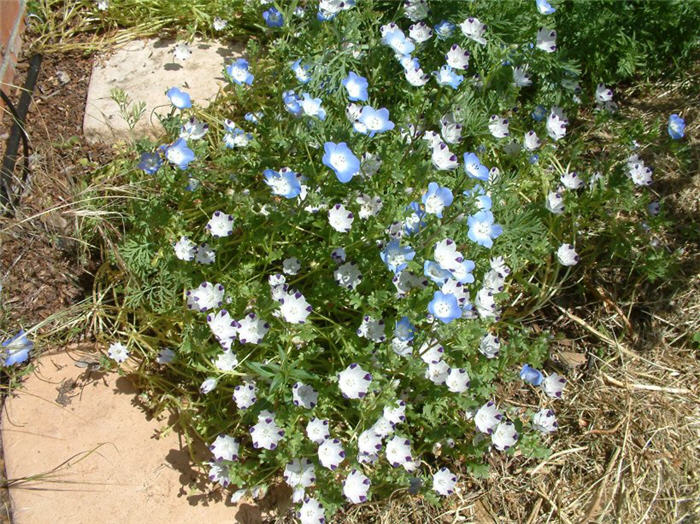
(629,446)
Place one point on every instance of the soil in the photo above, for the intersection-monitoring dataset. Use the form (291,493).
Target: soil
(39,270)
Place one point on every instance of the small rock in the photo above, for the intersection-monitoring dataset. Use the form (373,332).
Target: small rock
(572,360)
(62,77)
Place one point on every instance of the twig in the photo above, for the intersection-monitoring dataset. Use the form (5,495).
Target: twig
(612,342)
(535,511)
(595,503)
(556,455)
(645,387)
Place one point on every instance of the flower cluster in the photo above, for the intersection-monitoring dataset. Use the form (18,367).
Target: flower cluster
(354,254)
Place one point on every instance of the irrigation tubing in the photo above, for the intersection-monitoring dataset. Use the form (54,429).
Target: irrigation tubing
(16,133)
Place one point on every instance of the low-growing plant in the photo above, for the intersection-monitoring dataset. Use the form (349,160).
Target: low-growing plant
(327,271)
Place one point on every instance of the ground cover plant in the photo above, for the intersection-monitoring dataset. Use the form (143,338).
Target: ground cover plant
(359,235)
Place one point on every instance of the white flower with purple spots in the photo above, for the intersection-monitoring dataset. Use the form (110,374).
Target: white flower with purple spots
(420,32)
(356,487)
(225,447)
(504,436)
(224,327)
(208,385)
(354,381)
(437,372)
(245,395)
(555,202)
(304,395)
(556,123)
(567,256)
(369,443)
(546,40)
(348,275)
(490,345)
(205,297)
(185,249)
(118,352)
(300,473)
(571,180)
(219,473)
(266,433)
(474,29)
(251,329)
(444,482)
(294,307)
(204,254)
(398,451)
(317,430)
(498,126)
(554,385)
(458,380)
(220,224)
(531,141)
(226,361)
(311,512)
(487,417)
(545,421)
(372,329)
(457,57)
(444,159)
(340,218)
(331,454)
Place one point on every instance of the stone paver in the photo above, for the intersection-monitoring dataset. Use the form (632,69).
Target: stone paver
(145,70)
(100,455)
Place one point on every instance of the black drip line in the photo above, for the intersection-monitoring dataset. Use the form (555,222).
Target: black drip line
(8,200)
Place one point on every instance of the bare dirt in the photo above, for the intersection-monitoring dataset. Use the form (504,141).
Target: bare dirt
(39,264)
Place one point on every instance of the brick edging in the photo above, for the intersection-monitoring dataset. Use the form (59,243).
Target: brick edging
(11,27)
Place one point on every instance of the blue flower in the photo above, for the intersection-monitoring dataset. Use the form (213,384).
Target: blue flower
(482,230)
(179,154)
(292,102)
(273,18)
(444,29)
(404,330)
(531,375)
(399,42)
(237,137)
(254,118)
(238,72)
(325,16)
(178,98)
(150,163)
(435,272)
(544,7)
(341,160)
(436,199)
(373,121)
(474,168)
(539,113)
(414,221)
(676,127)
(483,201)
(534,158)
(396,257)
(16,350)
(447,77)
(463,272)
(356,87)
(444,307)
(301,71)
(284,182)
(312,106)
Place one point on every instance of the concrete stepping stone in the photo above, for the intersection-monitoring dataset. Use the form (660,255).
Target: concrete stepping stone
(145,70)
(101,459)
